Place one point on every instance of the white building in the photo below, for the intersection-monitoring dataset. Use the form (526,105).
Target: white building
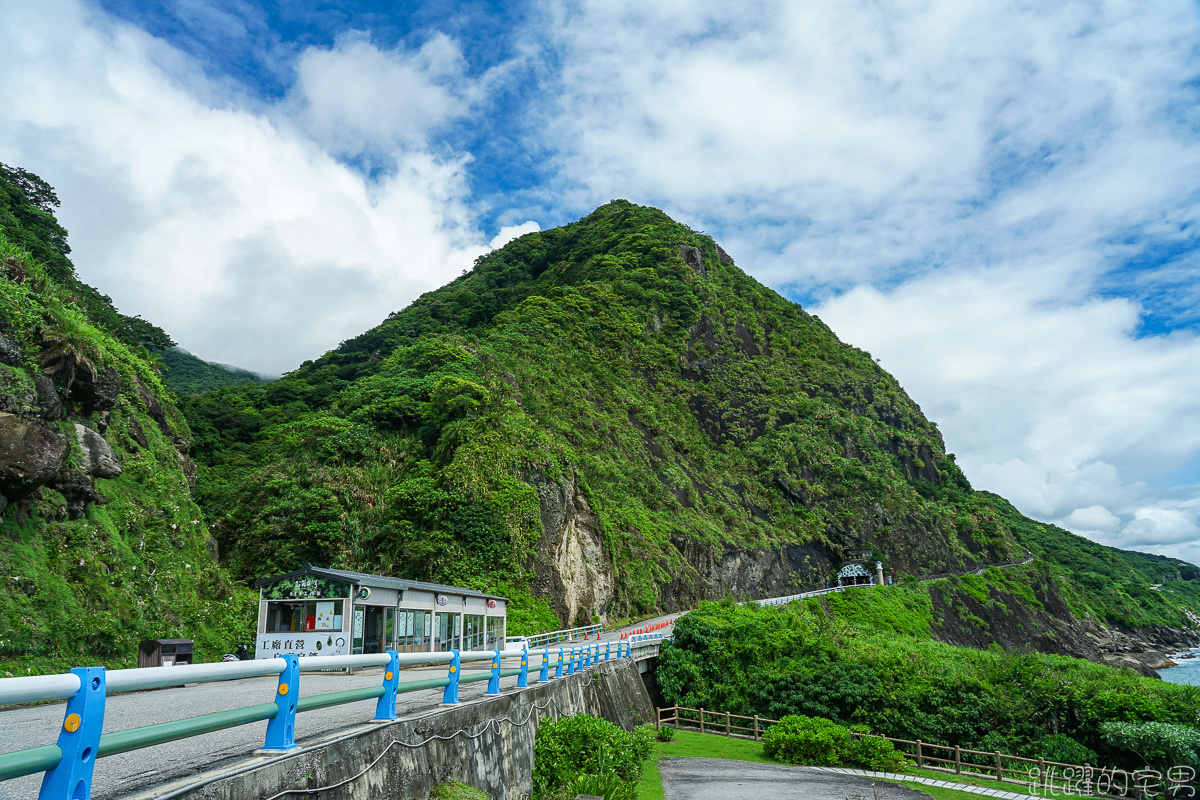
(321,611)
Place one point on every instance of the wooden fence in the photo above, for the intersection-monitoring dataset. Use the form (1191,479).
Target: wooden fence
(1049,775)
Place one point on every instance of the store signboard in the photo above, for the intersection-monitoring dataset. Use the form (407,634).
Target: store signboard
(310,643)
(305,588)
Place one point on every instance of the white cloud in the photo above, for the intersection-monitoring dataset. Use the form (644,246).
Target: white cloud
(984,165)
(228,226)
(510,232)
(356,98)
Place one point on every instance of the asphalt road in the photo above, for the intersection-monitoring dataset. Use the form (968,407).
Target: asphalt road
(717,779)
(137,771)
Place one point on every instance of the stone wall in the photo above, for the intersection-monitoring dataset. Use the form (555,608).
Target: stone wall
(486,744)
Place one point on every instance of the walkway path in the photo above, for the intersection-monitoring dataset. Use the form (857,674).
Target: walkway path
(720,779)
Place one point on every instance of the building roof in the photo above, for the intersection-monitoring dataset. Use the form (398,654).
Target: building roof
(379,581)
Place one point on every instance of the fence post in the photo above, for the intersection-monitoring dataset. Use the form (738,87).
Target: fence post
(607,650)
(558,666)
(386,707)
(999,768)
(756,727)
(544,675)
(494,682)
(523,678)
(920,759)
(571,662)
(657,718)
(450,697)
(702,720)
(957,760)
(726,723)
(79,739)
(596,653)
(281,728)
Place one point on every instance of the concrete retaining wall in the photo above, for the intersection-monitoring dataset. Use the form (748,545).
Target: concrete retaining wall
(486,744)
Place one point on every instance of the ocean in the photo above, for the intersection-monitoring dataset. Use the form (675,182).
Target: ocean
(1188,672)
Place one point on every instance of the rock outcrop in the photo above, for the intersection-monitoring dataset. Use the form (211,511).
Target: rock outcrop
(31,455)
(571,566)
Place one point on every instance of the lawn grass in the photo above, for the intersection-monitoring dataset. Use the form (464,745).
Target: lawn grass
(693,744)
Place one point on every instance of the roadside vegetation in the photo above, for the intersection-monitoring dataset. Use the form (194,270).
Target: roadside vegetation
(866,658)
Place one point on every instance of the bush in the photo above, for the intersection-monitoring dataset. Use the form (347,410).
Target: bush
(798,739)
(570,747)
(1063,749)
(457,791)
(665,735)
(1159,744)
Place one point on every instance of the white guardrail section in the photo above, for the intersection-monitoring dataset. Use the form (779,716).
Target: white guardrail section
(783,601)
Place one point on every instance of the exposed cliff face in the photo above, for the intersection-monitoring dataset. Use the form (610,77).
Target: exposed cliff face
(571,566)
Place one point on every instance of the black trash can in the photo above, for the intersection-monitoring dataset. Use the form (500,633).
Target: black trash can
(164,652)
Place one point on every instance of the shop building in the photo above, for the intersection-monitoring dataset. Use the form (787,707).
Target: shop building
(321,611)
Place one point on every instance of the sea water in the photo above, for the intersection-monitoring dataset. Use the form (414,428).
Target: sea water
(1188,671)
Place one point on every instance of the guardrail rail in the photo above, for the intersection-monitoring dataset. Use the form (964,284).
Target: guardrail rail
(69,763)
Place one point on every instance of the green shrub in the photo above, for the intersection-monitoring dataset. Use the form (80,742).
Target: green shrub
(1063,749)
(665,735)
(608,785)
(798,739)
(457,791)
(1159,744)
(570,747)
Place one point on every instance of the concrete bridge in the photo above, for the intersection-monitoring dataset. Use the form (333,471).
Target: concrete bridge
(433,715)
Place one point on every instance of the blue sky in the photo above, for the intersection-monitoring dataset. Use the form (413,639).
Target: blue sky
(997,200)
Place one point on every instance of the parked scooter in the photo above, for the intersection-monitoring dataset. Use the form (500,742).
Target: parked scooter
(241,652)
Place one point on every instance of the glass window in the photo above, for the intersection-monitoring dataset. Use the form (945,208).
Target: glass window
(446,630)
(412,629)
(495,633)
(473,633)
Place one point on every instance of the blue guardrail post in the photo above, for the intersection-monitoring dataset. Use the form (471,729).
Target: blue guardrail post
(544,675)
(386,707)
(596,654)
(558,666)
(571,661)
(523,678)
(494,682)
(608,650)
(281,728)
(450,696)
(79,740)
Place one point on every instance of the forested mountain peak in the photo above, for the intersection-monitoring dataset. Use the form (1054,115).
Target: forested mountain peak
(610,417)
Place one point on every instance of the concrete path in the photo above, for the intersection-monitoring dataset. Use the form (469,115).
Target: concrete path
(962,787)
(718,779)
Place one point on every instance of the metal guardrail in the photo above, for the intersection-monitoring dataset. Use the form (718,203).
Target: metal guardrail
(566,635)
(783,601)
(69,764)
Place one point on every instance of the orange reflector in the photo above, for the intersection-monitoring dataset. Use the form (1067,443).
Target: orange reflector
(283,688)
(72,723)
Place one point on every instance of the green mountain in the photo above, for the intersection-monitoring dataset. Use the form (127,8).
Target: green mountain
(600,421)
(612,418)
(185,374)
(102,544)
